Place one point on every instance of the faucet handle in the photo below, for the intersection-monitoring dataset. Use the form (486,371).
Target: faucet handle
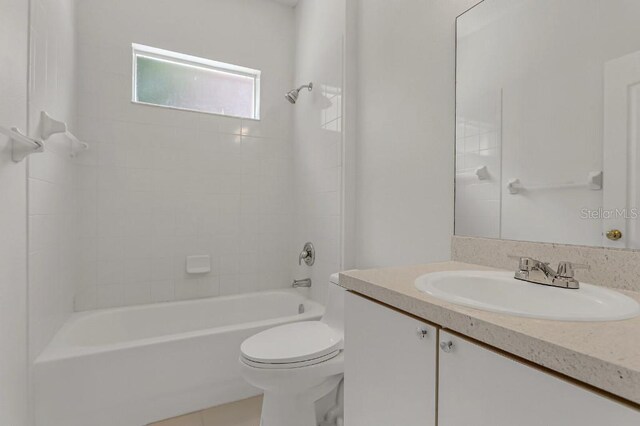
(567,269)
(526,263)
(304,255)
(308,255)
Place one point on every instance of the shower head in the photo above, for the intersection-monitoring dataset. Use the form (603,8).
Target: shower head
(292,96)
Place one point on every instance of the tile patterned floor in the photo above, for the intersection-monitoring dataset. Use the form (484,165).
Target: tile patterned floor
(241,413)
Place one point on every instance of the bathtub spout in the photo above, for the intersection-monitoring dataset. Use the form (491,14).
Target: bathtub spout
(301,283)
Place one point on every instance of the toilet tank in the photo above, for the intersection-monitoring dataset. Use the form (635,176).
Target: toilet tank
(334,314)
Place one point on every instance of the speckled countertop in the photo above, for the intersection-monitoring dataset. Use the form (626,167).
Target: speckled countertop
(605,355)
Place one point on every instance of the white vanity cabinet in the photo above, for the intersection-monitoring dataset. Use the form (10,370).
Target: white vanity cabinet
(394,376)
(390,366)
(481,387)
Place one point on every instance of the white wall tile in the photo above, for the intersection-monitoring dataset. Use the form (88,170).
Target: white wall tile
(170,183)
(110,296)
(478,202)
(110,272)
(58,214)
(317,147)
(137,293)
(86,299)
(162,291)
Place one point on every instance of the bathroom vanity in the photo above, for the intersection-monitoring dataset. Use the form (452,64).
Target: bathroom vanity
(414,359)
(546,94)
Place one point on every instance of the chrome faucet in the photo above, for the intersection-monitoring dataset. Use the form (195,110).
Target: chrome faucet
(537,272)
(301,283)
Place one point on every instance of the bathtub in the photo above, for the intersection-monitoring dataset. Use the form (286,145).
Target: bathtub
(135,365)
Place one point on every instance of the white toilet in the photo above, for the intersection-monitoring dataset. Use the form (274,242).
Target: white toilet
(297,364)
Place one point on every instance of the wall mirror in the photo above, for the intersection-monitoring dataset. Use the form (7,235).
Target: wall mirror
(548,121)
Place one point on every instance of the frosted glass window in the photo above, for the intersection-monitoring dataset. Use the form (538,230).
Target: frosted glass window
(174,80)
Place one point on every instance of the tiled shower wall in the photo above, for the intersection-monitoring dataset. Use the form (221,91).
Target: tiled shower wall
(479,144)
(159,184)
(51,199)
(319,138)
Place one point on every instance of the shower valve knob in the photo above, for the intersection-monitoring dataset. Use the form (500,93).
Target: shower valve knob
(308,255)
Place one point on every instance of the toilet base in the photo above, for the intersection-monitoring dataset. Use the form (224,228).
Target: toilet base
(285,409)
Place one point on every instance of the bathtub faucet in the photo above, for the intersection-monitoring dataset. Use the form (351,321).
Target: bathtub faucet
(301,283)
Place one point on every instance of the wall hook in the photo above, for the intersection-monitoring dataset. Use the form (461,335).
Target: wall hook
(50,126)
(21,145)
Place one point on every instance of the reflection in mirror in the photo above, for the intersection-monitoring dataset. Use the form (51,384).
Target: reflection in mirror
(548,94)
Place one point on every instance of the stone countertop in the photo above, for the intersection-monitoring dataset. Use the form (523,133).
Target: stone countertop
(605,355)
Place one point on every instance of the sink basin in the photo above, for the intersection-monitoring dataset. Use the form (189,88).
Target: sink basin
(500,292)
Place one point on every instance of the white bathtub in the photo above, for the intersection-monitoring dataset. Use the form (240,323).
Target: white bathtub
(135,365)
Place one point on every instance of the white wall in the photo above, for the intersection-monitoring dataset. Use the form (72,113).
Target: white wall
(13,226)
(405,130)
(318,138)
(52,199)
(162,184)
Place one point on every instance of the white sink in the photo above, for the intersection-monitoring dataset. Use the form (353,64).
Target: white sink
(500,292)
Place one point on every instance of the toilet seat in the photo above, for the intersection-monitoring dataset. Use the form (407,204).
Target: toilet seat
(300,364)
(292,346)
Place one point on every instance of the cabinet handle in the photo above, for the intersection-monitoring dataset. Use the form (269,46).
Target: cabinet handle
(422,332)
(446,347)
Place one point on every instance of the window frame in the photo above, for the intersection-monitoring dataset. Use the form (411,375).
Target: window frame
(182,59)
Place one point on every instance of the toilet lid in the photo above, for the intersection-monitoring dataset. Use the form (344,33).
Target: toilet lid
(295,342)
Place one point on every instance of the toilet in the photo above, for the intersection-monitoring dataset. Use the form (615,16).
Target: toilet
(297,364)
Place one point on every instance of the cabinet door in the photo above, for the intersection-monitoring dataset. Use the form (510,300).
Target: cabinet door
(390,366)
(480,387)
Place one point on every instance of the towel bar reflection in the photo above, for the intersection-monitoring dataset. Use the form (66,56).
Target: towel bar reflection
(480,173)
(594,183)
(21,144)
